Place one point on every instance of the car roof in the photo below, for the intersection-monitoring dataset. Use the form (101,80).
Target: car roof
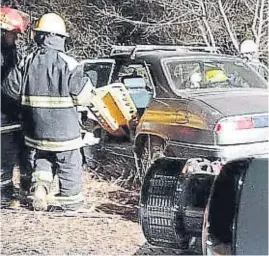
(156,55)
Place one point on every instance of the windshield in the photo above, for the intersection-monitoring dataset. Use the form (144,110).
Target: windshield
(196,75)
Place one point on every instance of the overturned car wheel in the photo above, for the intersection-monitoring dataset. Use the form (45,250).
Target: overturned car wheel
(173,198)
(161,205)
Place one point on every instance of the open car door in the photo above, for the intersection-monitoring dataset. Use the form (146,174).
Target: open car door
(111,105)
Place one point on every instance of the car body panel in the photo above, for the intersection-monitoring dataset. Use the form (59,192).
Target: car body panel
(229,152)
(171,118)
(237,102)
(196,119)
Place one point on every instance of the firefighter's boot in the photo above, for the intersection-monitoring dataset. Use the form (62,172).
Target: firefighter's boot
(24,191)
(7,195)
(39,197)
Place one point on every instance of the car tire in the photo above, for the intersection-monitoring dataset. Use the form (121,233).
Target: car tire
(162,204)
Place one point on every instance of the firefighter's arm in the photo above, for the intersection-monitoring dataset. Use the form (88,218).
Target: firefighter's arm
(11,86)
(80,87)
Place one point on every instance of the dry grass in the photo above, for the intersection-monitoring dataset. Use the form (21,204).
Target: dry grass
(110,229)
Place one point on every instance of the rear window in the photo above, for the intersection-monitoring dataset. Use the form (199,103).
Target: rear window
(207,74)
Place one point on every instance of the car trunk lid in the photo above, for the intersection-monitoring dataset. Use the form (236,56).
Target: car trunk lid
(236,102)
(245,115)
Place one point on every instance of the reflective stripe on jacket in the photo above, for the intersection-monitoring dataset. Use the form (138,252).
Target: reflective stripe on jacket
(46,82)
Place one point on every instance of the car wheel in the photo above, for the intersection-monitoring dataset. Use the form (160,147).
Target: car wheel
(162,203)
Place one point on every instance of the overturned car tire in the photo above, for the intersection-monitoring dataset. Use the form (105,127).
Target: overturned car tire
(161,205)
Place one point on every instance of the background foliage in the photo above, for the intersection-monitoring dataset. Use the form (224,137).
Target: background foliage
(95,25)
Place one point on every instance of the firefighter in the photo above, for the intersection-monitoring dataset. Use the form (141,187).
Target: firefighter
(249,50)
(51,84)
(12,23)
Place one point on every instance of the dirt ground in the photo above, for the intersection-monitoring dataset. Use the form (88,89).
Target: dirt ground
(111,228)
(108,227)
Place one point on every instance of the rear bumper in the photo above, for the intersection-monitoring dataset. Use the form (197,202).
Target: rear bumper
(185,150)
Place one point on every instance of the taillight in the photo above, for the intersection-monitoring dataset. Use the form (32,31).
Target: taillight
(246,123)
(241,123)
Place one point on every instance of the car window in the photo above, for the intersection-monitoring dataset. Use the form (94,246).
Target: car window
(135,70)
(211,74)
(99,73)
(137,81)
(181,73)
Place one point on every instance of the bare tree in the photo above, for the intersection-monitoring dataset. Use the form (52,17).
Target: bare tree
(97,24)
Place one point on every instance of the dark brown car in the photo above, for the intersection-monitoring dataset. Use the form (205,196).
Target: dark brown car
(191,103)
(204,105)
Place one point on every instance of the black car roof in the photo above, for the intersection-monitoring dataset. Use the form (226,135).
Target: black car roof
(157,55)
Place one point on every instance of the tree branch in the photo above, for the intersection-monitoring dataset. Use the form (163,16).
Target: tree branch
(206,23)
(203,34)
(234,41)
(136,22)
(258,39)
(255,20)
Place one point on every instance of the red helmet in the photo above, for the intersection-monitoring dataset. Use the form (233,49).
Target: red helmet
(13,20)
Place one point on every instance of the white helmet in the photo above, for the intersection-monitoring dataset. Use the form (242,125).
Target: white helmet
(249,46)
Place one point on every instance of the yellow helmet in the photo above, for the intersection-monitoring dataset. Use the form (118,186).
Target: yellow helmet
(52,23)
(215,75)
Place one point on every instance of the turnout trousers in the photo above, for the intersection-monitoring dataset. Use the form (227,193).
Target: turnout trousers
(68,167)
(14,153)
